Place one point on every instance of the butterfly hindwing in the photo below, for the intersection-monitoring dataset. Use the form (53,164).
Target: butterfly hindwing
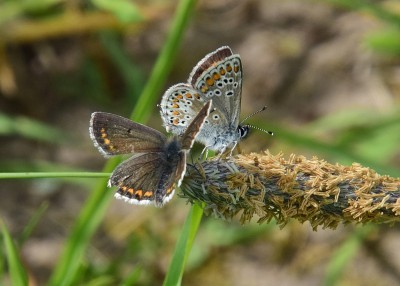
(147,178)
(179,106)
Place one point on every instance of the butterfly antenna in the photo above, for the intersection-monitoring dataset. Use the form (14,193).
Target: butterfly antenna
(254,113)
(260,129)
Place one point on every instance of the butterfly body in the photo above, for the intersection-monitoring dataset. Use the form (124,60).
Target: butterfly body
(158,164)
(218,76)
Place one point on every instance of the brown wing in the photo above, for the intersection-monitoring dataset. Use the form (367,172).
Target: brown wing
(114,135)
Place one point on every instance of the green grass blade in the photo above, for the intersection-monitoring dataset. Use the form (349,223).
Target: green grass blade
(95,207)
(183,247)
(133,277)
(47,175)
(151,92)
(18,274)
(31,129)
(344,254)
(86,224)
(28,229)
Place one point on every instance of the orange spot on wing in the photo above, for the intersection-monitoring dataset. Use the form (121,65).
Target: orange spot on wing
(170,190)
(148,194)
(188,95)
(210,81)
(204,88)
(179,96)
(216,76)
(106,141)
(222,71)
(175,106)
(228,68)
(176,121)
(236,69)
(175,112)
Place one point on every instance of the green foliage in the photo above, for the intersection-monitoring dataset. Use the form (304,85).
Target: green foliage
(183,247)
(17,272)
(31,129)
(345,253)
(126,11)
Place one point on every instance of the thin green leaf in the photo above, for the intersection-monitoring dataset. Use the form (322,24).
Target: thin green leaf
(345,253)
(125,10)
(46,175)
(86,223)
(18,274)
(151,92)
(29,128)
(183,247)
(385,42)
(28,229)
(94,209)
(133,277)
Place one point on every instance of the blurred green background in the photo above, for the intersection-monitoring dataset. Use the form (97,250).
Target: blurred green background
(327,70)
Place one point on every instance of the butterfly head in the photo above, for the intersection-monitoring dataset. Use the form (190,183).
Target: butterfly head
(243,131)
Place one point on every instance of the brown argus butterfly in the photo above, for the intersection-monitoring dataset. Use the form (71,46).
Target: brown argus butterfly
(158,165)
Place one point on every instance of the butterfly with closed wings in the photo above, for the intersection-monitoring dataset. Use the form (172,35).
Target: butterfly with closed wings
(218,76)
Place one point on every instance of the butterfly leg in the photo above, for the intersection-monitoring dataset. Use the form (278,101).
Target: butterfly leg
(204,153)
(233,148)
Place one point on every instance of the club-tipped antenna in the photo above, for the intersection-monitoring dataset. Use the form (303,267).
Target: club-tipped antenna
(260,129)
(254,113)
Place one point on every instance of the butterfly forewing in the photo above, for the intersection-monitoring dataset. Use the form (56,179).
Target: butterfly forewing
(208,61)
(219,77)
(195,126)
(114,135)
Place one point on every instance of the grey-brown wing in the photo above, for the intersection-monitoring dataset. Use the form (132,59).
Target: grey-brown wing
(195,126)
(148,178)
(219,77)
(114,135)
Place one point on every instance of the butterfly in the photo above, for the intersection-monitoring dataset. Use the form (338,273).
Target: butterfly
(158,164)
(218,76)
